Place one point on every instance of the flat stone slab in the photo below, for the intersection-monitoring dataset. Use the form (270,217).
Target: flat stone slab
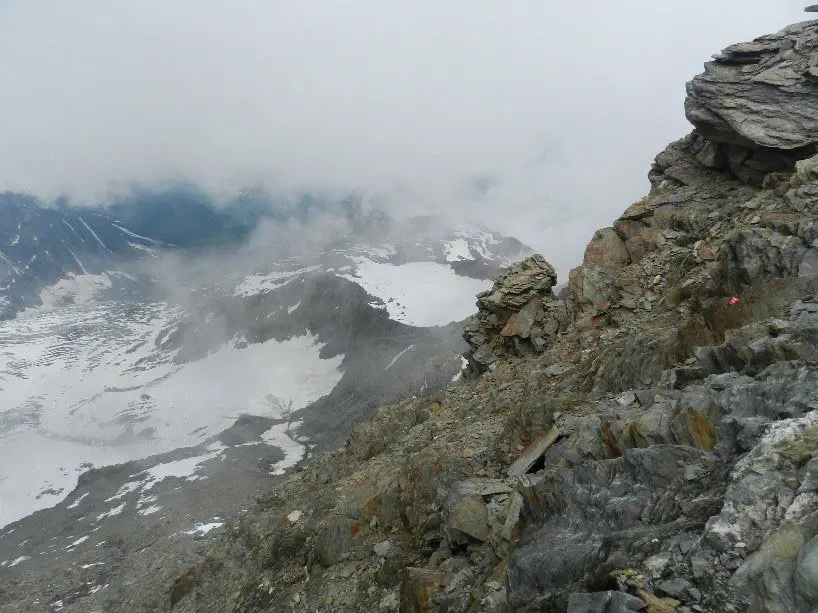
(532,453)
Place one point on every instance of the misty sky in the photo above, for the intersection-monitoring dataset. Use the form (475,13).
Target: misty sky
(538,118)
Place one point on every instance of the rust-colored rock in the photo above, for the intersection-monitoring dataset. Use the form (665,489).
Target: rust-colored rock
(705,252)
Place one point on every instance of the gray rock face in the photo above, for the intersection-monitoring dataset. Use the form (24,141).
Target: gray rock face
(755,104)
(610,494)
(806,573)
(760,94)
(755,252)
(594,287)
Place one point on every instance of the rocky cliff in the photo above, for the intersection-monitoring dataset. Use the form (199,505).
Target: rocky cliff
(648,442)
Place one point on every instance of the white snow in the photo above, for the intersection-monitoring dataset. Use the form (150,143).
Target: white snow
(397,357)
(150,510)
(255,284)
(419,293)
(79,541)
(76,259)
(5,258)
(74,288)
(377,252)
(144,248)
(293,308)
(282,436)
(16,561)
(76,503)
(70,227)
(124,491)
(480,240)
(83,382)
(94,234)
(205,528)
(457,250)
(135,235)
(115,511)
(184,468)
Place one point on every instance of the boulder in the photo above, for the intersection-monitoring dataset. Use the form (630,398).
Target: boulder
(533,453)
(531,278)
(595,286)
(336,535)
(755,104)
(518,315)
(676,587)
(805,577)
(469,516)
(760,95)
(466,513)
(766,577)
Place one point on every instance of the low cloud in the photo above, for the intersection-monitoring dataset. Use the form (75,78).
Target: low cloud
(539,119)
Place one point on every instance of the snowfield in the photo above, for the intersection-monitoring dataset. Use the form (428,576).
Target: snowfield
(83,382)
(419,293)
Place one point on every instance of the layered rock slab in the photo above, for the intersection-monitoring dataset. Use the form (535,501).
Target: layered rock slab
(757,102)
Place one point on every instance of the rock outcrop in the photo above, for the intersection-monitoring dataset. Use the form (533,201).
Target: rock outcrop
(657,452)
(755,104)
(520,314)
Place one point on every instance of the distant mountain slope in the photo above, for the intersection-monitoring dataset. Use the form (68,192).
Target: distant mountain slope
(40,245)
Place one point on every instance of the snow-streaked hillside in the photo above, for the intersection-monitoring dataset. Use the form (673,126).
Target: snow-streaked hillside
(88,383)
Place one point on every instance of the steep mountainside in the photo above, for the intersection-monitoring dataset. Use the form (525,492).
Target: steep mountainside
(39,246)
(646,442)
(153,392)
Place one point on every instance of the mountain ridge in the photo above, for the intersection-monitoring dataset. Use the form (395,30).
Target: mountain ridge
(644,442)
(627,497)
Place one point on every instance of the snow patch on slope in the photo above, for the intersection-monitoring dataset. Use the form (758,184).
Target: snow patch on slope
(457,250)
(419,293)
(74,289)
(478,239)
(85,384)
(255,284)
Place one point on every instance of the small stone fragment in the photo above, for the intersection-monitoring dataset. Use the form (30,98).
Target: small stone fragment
(603,602)
(382,549)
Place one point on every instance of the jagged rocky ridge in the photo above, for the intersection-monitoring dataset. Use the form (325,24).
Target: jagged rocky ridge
(657,452)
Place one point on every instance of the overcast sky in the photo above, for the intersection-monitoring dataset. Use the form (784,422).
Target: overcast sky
(538,118)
